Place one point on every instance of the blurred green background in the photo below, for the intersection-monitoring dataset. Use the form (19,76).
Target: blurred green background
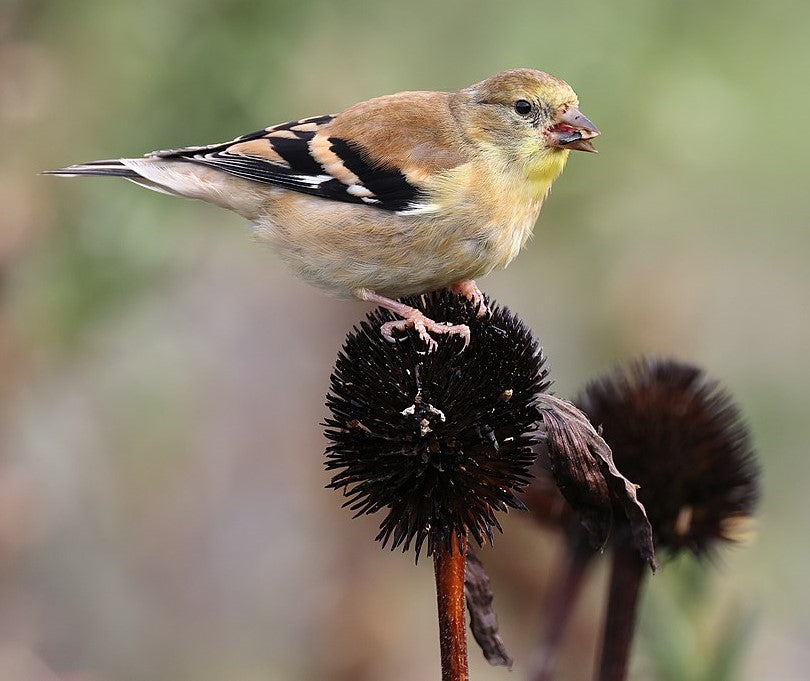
(162,511)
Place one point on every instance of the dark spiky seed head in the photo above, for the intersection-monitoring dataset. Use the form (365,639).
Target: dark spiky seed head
(438,441)
(681,438)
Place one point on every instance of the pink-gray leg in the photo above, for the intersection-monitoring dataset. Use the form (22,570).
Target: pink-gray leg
(411,317)
(469,289)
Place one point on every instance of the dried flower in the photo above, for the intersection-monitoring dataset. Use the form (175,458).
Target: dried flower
(440,441)
(681,438)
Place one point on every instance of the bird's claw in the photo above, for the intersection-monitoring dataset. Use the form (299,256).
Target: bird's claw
(423,325)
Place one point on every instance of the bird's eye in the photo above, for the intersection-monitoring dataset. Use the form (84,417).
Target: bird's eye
(523,107)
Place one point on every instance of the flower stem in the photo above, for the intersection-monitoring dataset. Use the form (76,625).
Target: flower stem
(449,569)
(625,584)
(565,589)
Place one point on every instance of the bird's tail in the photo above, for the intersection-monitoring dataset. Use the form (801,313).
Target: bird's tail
(112,168)
(176,177)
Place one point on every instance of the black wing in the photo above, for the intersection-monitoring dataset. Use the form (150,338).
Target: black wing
(302,156)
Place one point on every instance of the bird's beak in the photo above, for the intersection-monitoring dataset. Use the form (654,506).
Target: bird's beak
(573,131)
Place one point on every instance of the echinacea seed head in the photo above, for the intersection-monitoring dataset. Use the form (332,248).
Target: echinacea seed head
(681,438)
(441,441)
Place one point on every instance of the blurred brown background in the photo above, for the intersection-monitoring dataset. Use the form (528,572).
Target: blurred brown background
(162,511)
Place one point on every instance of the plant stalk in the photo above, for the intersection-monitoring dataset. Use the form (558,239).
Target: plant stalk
(565,589)
(449,570)
(626,576)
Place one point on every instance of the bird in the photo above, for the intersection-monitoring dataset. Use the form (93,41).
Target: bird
(395,196)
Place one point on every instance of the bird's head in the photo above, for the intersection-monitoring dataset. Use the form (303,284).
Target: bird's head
(524,116)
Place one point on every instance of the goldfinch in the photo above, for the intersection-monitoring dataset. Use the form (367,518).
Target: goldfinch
(395,196)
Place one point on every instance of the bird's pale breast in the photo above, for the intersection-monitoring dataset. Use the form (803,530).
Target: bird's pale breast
(345,247)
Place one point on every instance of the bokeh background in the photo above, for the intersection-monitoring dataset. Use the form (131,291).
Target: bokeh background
(162,510)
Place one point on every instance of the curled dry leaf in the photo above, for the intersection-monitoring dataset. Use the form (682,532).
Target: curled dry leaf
(483,621)
(582,465)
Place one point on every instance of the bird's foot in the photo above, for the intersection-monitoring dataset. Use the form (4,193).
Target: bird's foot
(423,325)
(413,318)
(469,289)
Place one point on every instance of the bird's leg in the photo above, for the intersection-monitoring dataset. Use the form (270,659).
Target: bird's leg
(411,317)
(469,289)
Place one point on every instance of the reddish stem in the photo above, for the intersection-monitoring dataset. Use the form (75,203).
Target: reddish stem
(449,569)
(620,621)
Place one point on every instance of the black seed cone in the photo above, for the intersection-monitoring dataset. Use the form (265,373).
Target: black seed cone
(682,439)
(440,441)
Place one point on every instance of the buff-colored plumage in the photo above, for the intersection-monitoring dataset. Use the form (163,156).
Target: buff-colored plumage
(397,195)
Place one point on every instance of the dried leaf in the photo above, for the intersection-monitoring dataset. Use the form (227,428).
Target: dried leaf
(483,621)
(582,465)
